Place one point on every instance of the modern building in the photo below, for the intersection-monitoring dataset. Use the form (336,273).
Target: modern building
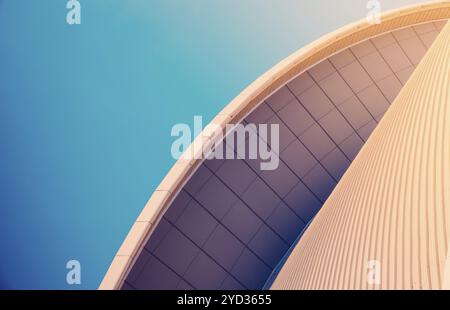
(390,212)
(362,115)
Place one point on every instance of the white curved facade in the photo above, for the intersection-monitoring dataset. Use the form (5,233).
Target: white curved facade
(392,206)
(225,224)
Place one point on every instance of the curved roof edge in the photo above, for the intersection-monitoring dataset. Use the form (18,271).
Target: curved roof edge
(243,104)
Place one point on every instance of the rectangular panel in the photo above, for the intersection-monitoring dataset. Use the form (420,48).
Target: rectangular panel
(242,222)
(268,246)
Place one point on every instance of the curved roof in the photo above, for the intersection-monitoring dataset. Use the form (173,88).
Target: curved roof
(225,224)
(386,225)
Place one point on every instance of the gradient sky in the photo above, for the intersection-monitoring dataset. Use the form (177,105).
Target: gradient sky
(86,111)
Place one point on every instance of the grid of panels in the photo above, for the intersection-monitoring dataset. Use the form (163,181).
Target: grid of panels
(232,223)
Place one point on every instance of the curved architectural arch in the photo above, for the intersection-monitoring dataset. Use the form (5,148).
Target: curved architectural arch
(386,225)
(301,86)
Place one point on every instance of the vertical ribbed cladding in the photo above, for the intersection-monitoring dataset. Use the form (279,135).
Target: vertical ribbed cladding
(393,203)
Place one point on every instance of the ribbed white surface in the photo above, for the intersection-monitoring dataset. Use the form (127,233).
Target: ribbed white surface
(393,203)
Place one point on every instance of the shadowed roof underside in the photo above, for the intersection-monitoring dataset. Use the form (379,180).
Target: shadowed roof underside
(225,224)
